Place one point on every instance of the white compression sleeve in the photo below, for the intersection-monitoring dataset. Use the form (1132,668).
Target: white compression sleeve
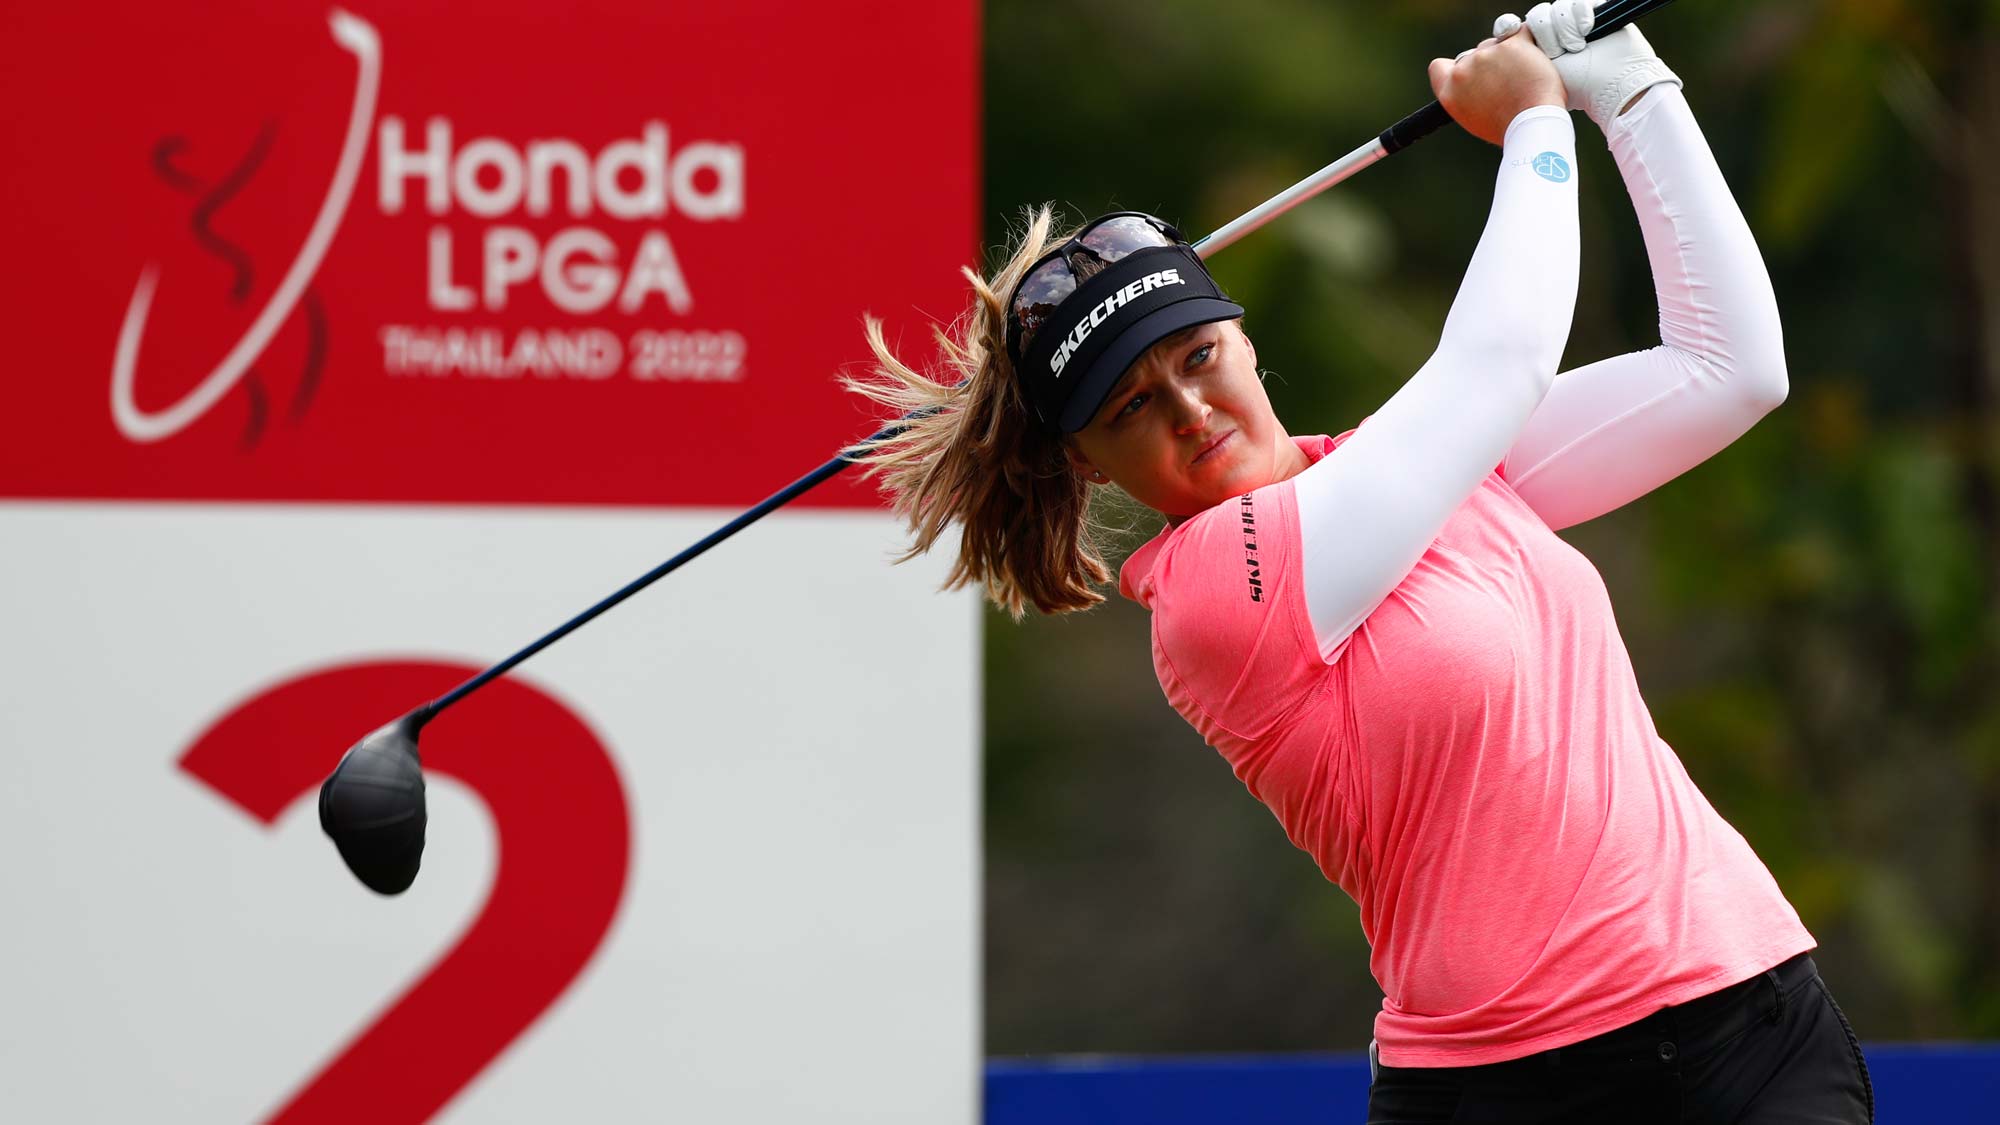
(1369,510)
(1613,431)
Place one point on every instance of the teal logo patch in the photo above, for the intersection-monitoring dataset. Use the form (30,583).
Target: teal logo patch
(1551,167)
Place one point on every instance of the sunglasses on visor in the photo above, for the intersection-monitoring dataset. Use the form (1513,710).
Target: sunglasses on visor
(1058,273)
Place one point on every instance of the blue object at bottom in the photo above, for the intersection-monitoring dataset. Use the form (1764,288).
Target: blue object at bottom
(1915,1084)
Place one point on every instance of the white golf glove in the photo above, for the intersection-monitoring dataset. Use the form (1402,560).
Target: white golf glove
(1599,77)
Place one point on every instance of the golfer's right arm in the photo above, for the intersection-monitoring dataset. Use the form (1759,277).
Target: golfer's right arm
(1370,509)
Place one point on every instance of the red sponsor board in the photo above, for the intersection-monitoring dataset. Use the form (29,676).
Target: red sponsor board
(506,252)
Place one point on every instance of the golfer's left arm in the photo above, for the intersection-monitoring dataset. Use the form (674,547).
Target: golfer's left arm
(1613,431)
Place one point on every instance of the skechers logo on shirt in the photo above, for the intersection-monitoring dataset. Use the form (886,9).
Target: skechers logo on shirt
(1104,310)
(1249,516)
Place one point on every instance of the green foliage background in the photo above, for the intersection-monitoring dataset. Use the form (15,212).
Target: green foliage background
(1812,613)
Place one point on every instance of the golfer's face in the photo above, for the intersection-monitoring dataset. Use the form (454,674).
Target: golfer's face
(1189,426)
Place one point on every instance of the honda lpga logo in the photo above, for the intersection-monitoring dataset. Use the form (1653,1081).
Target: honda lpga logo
(1104,310)
(578,267)
(612,256)
(358,38)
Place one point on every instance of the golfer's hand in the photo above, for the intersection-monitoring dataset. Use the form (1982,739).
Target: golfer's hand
(1603,79)
(1485,88)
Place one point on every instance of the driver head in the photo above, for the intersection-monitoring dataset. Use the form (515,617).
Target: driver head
(372,805)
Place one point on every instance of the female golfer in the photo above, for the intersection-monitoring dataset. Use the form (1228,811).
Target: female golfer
(1381,631)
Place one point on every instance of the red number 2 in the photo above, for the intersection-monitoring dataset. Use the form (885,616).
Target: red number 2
(564,842)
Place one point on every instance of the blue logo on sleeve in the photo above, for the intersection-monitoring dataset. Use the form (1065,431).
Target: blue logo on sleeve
(1551,167)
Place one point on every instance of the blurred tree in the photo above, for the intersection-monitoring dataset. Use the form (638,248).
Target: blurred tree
(1814,614)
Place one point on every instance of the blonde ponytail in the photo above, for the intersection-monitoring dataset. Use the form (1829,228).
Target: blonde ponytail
(977,456)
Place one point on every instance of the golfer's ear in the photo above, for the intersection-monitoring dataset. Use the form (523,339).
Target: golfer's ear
(1079,462)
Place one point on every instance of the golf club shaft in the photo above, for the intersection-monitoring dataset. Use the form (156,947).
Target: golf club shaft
(1610,17)
(763,507)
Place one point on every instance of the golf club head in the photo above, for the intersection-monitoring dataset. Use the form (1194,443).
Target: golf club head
(373,806)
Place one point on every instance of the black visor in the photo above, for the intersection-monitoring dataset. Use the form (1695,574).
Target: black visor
(1072,331)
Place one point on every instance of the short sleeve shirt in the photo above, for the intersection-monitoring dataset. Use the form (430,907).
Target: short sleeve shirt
(1474,766)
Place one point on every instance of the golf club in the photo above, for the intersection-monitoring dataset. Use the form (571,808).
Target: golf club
(372,805)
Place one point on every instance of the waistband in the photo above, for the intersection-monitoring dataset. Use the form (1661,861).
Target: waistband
(1682,1031)
(1784,976)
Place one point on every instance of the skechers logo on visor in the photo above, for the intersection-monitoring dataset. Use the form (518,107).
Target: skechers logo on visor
(1105,310)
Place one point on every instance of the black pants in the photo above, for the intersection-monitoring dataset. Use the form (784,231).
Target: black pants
(1772,1050)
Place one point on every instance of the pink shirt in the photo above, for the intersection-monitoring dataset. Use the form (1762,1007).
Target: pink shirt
(1474,766)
